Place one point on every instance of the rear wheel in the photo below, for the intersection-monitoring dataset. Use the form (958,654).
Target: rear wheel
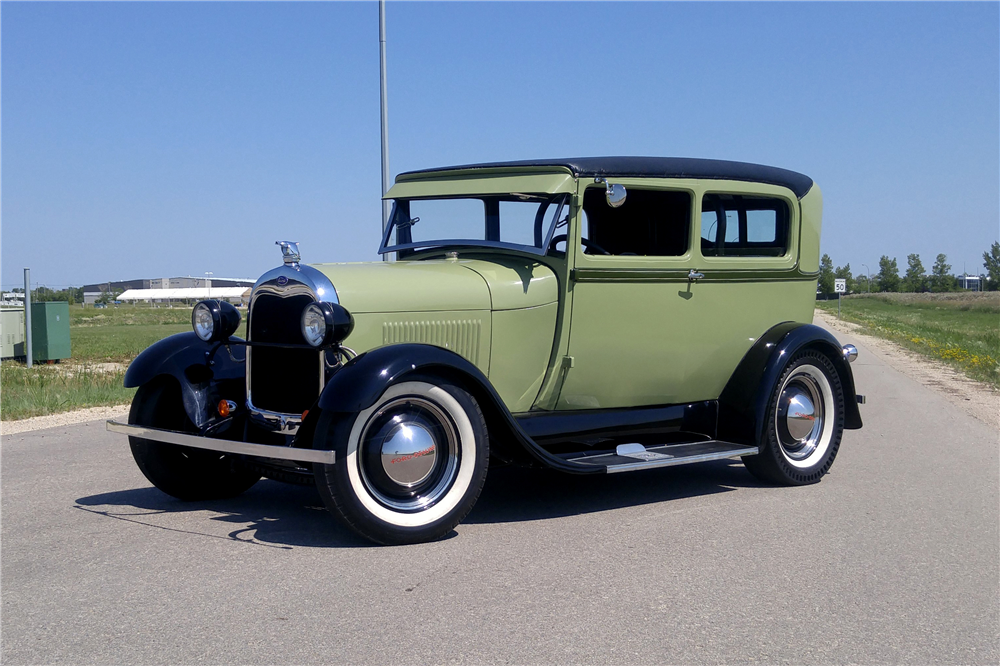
(180,471)
(805,423)
(409,468)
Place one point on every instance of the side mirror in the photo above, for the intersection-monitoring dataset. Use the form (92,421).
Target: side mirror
(615,193)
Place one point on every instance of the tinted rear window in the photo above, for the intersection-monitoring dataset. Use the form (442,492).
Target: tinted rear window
(735,225)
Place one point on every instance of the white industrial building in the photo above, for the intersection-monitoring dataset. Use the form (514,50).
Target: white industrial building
(235,295)
(94,292)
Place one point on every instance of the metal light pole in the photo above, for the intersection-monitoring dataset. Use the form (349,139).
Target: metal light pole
(384,95)
(27,314)
(869,274)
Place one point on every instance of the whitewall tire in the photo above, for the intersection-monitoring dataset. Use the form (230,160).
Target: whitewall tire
(410,467)
(805,422)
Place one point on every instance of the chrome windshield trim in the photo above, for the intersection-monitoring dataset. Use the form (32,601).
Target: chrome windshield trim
(223,445)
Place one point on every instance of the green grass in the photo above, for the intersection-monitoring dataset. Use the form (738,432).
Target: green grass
(118,344)
(127,315)
(961,329)
(49,389)
(103,341)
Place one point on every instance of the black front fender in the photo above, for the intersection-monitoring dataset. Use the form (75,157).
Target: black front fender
(743,403)
(200,368)
(357,386)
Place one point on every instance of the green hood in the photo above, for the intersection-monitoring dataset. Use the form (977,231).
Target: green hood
(441,285)
(405,286)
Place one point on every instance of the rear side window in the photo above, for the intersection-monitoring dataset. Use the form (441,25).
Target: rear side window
(651,223)
(736,225)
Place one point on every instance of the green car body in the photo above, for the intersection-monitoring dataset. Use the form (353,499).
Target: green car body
(582,331)
(592,315)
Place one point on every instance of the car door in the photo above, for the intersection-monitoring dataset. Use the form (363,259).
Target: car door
(641,331)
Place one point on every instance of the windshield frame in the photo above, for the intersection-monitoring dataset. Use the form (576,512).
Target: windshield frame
(545,200)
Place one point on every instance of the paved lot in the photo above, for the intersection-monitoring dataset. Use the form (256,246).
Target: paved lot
(892,558)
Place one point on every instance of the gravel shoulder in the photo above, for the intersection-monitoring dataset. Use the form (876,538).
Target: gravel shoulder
(979,400)
(64,419)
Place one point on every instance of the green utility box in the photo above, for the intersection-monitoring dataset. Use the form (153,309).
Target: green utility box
(50,331)
(12,332)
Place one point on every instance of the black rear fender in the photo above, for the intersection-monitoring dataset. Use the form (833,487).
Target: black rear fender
(743,403)
(205,372)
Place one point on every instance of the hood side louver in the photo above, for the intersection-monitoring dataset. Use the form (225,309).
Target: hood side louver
(459,335)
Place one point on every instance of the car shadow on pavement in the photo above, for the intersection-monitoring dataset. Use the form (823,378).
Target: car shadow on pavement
(279,515)
(513,495)
(272,514)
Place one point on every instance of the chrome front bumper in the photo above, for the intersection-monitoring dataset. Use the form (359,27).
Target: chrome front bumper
(223,445)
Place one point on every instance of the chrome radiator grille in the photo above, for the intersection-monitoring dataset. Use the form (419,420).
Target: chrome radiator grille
(281,380)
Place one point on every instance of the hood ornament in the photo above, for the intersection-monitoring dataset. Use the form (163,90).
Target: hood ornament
(290,253)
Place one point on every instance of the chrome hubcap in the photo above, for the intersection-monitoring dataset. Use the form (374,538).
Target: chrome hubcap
(800,417)
(408,454)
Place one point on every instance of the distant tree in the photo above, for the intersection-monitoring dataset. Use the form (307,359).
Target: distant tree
(888,274)
(991,261)
(44,294)
(941,277)
(825,275)
(844,272)
(861,283)
(914,279)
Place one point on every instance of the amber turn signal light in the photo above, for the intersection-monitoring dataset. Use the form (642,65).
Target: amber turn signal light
(223,408)
(305,414)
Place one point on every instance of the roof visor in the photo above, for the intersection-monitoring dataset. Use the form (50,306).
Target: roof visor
(642,167)
(427,185)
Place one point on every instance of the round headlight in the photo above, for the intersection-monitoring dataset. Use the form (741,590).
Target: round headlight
(314,325)
(325,324)
(214,321)
(203,322)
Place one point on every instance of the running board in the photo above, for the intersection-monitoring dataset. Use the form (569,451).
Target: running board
(632,457)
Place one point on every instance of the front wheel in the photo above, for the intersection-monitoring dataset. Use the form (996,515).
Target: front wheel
(804,424)
(410,467)
(180,471)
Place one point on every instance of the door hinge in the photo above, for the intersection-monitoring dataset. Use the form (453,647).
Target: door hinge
(567,362)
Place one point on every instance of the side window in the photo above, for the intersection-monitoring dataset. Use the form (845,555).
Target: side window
(651,223)
(735,225)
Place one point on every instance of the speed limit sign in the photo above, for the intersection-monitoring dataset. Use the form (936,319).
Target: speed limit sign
(840,285)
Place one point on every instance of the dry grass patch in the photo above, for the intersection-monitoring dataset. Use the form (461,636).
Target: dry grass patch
(962,329)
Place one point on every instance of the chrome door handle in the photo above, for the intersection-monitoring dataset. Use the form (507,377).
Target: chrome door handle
(694,275)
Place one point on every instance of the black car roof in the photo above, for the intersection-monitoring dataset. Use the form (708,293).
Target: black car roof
(655,167)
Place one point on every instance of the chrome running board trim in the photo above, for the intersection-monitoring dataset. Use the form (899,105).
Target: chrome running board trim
(223,445)
(632,457)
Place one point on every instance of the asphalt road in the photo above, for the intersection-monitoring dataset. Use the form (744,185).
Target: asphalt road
(894,557)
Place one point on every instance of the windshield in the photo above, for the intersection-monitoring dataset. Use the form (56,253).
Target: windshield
(524,222)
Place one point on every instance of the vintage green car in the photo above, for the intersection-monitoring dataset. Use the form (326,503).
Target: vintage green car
(591,315)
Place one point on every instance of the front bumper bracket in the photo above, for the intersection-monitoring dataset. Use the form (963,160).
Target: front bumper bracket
(223,445)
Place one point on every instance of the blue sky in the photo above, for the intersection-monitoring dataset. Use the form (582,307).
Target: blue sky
(163,139)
